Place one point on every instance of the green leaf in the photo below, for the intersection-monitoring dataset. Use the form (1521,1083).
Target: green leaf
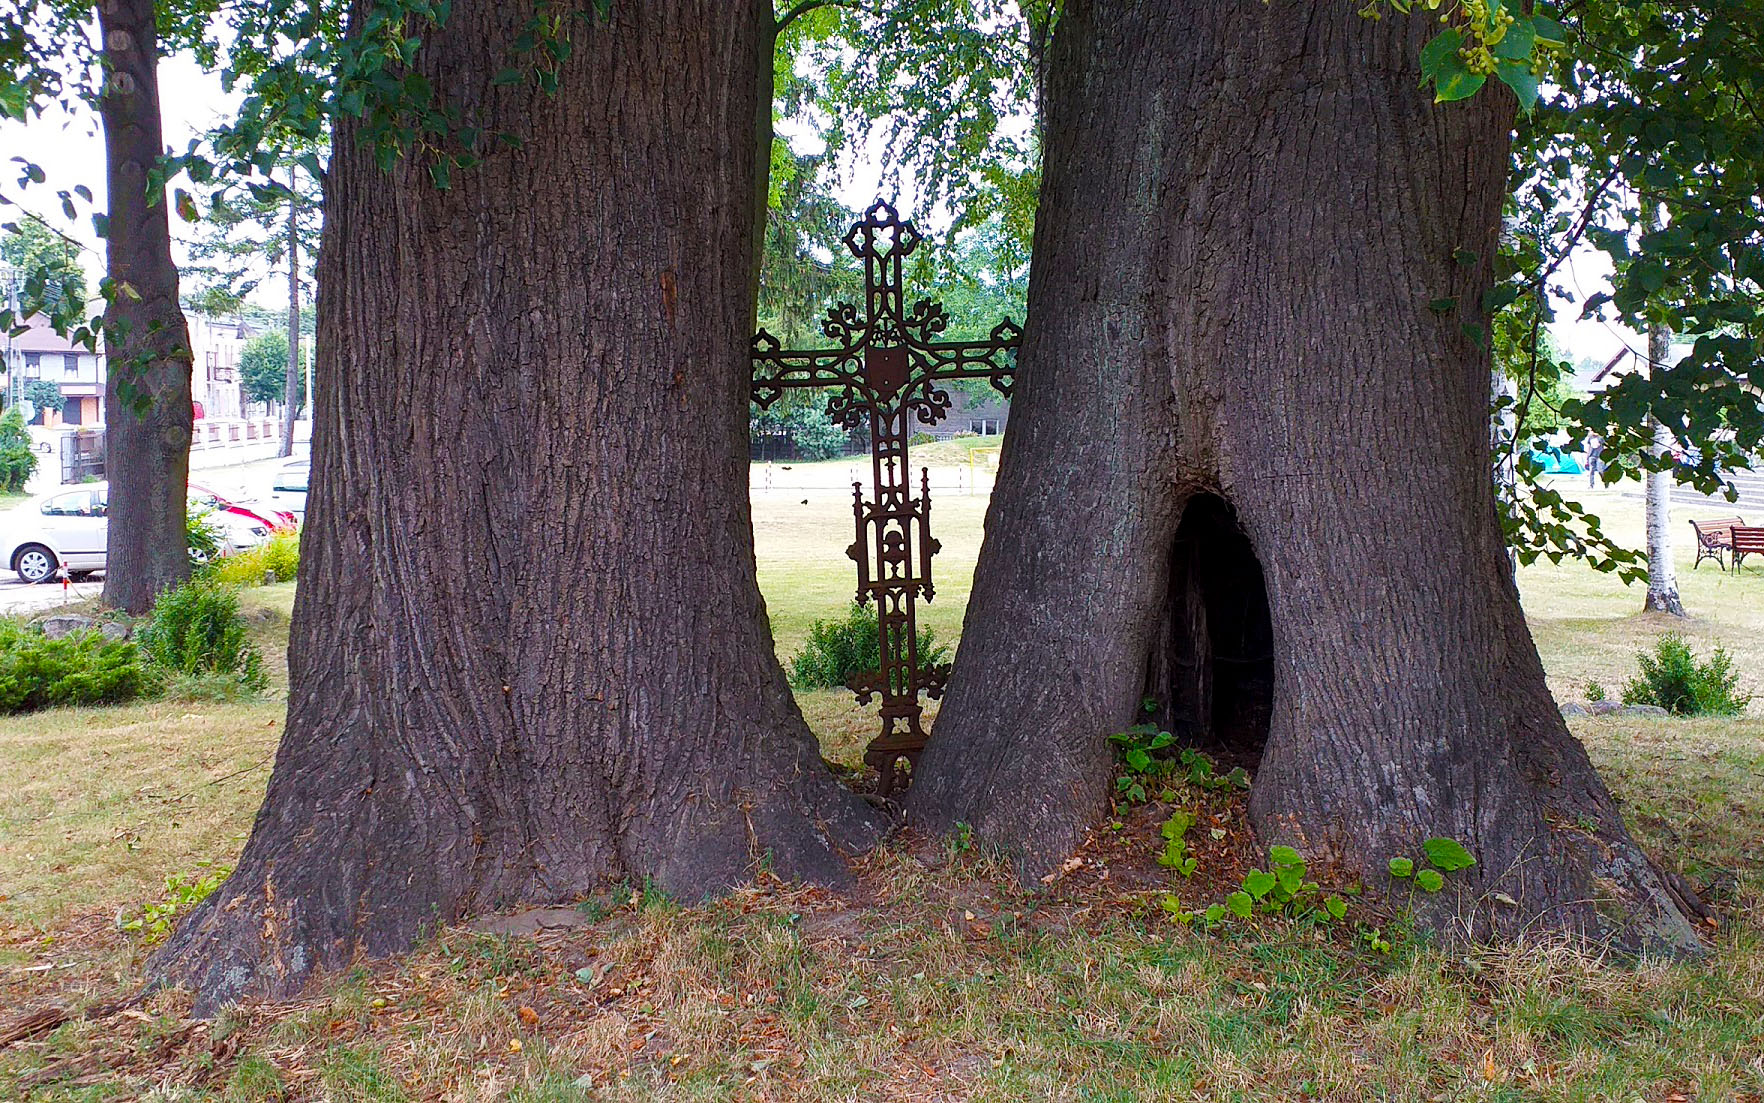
(1285,857)
(1216,912)
(1447,854)
(1518,76)
(1518,42)
(1401,867)
(1430,880)
(1335,906)
(1548,31)
(1650,275)
(1257,883)
(1239,904)
(1438,56)
(1459,84)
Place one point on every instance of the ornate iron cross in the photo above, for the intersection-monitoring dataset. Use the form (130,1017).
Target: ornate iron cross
(885,367)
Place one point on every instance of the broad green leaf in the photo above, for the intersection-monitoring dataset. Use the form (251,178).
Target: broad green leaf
(1430,880)
(1518,76)
(1257,883)
(1401,867)
(1440,54)
(1239,904)
(1447,854)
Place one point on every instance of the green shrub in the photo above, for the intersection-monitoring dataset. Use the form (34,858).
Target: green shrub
(195,629)
(202,535)
(1673,679)
(281,555)
(838,650)
(17,462)
(83,668)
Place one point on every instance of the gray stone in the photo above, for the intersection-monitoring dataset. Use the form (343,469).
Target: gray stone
(64,624)
(116,629)
(1604,708)
(1573,708)
(1644,710)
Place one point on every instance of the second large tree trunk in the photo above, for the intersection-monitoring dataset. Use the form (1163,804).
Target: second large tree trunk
(148,415)
(1247,470)
(529,654)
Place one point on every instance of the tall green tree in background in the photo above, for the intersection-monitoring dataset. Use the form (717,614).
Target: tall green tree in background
(46,263)
(257,229)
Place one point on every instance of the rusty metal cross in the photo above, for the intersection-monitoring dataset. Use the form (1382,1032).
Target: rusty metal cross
(885,367)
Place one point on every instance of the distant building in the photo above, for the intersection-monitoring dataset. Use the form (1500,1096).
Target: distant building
(42,354)
(215,383)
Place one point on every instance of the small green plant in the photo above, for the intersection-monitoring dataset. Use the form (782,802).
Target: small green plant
(1200,770)
(1444,855)
(280,555)
(1175,833)
(1595,691)
(1142,765)
(1137,748)
(82,668)
(839,650)
(1281,889)
(181,895)
(961,839)
(1674,680)
(195,629)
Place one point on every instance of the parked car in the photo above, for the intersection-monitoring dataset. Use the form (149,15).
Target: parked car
(68,530)
(223,501)
(288,493)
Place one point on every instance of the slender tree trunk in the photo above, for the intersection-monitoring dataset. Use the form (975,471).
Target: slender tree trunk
(1662,574)
(1229,369)
(529,653)
(291,384)
(148,408)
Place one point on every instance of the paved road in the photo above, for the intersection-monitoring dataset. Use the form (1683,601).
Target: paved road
(16,597)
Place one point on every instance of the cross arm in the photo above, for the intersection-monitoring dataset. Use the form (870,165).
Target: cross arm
(994,359)
(777,369)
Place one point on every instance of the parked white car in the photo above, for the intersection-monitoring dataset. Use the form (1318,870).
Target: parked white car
(288,493)
(69,528)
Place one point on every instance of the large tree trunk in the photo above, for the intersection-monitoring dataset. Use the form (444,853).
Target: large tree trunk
(291,381)
(529,653)
(1232,383)
(148,413)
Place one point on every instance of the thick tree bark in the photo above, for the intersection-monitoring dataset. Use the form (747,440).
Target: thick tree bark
(1662,573)
(147,403)
(529,653)
(1247,209)
(291,382)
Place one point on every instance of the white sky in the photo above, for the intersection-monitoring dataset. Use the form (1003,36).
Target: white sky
(71,151)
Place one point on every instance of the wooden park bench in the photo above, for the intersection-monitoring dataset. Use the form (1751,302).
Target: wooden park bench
(1747,540)
(1715,540)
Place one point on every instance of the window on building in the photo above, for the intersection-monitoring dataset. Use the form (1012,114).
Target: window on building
(33,365)
(70,363)
(986,427)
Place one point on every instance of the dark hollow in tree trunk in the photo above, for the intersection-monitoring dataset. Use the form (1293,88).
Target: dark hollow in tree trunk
(529,653)
(1260,256)
(1210,671)
(148,414)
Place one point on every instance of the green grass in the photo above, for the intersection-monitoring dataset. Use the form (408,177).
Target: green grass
(939,977)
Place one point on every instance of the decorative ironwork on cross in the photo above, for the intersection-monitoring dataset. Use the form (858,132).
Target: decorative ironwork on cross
(885,368)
